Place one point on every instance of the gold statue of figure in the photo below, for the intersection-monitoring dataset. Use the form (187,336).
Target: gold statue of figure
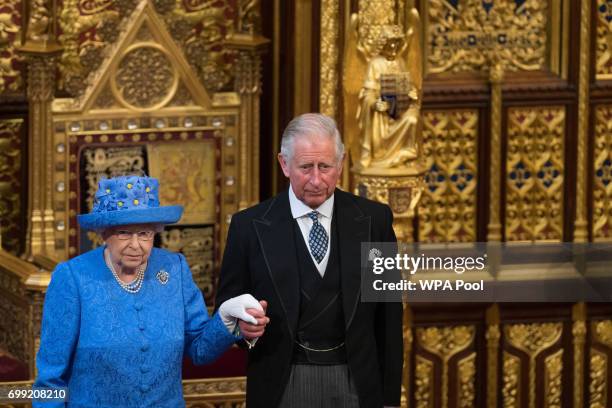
(38,23)
(382,85)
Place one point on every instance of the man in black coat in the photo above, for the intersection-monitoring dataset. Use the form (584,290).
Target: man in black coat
(300,252)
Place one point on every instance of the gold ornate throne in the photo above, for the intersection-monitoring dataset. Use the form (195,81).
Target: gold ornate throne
(164,88)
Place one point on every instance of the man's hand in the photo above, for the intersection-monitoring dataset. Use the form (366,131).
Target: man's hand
(252,331)
(236,308)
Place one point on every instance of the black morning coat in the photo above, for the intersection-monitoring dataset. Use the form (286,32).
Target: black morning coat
(260,259)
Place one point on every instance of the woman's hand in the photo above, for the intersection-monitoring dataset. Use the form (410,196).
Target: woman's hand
(250,313)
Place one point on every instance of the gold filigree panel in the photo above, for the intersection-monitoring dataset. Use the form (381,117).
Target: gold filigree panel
(90,29)
(602,332)
(599,367)
(10,62)
(535,174)
(105,99)
(374,15)
(598,376)
(446,342)
(10,183)
(461,33)
(466,378)
(144,70)
(602,171)
(603,51)
(188,173)
(199,27)
(447,212)
(145,77)
(197,244)
(533,340)
(511,390)
(553,366)
(424,383)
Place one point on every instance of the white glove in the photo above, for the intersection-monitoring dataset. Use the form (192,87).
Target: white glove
(235,308)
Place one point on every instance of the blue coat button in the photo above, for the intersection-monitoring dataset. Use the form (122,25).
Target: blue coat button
(144,347)
(144,369)
(144,388)
(138,306)
(141,326)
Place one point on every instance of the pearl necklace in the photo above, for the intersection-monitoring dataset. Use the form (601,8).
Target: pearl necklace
(132,287)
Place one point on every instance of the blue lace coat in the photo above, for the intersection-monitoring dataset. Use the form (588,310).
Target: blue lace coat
(112,348)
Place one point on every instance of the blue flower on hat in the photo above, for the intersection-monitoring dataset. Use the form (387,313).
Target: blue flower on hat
(151,186)
(104,199)
(128,200)
(121,195)
(106,186)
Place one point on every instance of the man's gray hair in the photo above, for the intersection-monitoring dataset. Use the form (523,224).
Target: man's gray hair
(310,124)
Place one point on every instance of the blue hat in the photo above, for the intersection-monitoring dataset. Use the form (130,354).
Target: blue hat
(128,200)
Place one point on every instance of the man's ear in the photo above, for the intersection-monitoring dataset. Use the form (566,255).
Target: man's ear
(284,164)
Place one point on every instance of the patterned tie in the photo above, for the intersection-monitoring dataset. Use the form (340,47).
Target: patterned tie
(317,239)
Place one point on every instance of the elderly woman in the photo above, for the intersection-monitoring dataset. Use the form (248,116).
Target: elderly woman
(118,319)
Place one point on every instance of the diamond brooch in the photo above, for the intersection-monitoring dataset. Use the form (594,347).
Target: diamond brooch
(163,277)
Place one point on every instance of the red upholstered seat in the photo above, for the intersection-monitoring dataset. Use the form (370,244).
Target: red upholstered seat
(12,369)
(231,364)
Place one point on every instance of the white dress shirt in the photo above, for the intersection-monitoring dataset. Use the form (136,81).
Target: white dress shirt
(300,212)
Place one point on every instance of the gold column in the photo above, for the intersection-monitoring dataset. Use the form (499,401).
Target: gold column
(40,51)
(496,76)
(276,95)
(329,56)
(330,15)
(579,339)
(302,57)
(580,226)
(249,45)
(492,336)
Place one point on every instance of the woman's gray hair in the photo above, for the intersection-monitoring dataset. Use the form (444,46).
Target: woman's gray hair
(310,124)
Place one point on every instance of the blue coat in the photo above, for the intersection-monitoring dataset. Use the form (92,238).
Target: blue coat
(112,348)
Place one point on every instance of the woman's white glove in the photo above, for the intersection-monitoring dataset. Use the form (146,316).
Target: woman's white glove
(235,308)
